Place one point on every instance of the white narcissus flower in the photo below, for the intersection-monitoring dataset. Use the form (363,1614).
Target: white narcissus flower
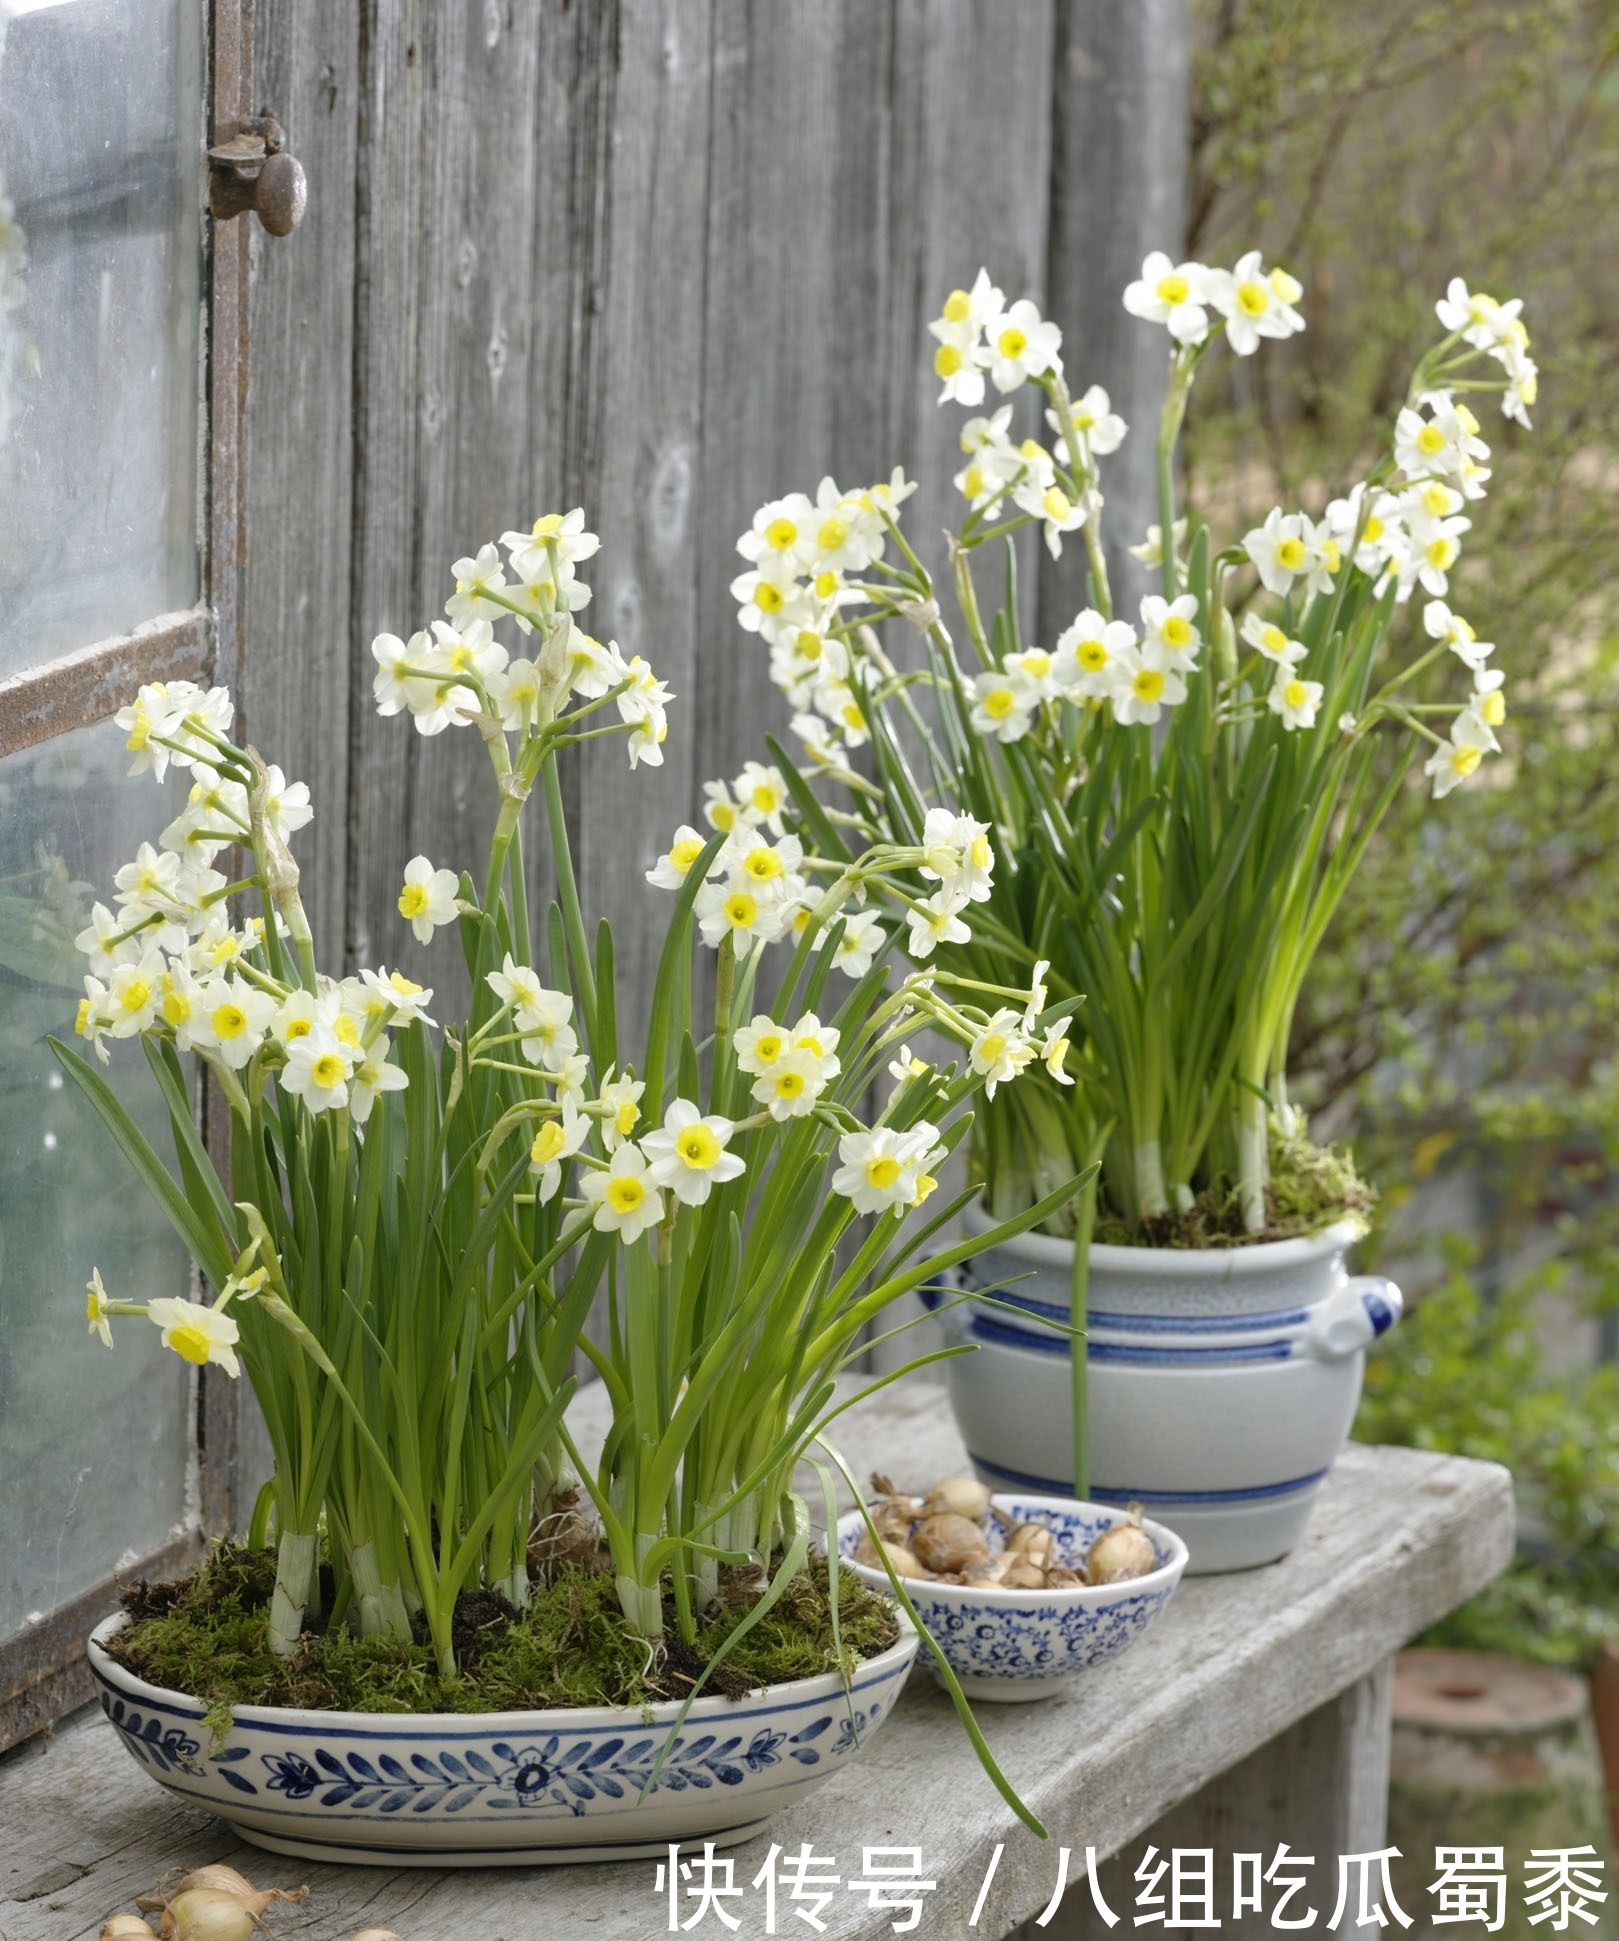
(620,1106)
(881,1168)
(1169,635)
(675,865)
(840,705)
(133,993)
(781,540)
(104,943)
(626,1201)
(642,707)
(1436,546)
(1489,703)
(1382,540)
(1086,652)
(197,1334)
(1057,514)
(569,1077)
(761,795)
(760,1044)
(959,360)
(846,537)
(1279,549)
(1001,1050)
(1002,705)
(936,921)
(1141,692)
(154,884)
(531,555)
(766,599)
(1255,303)
(1454,760)
(719,810)
(239,1018)
(1101,430)
(1481,321)
(1174,295)
(1054,1050)
(394,998)
(1271,641)
(475,578)
(93,1017)
(687,1154)
(393,688)
(555,1141)
(183,1007)
(1295,699)
(818,1042)
(861,940)
(1021,344)
(789,1089)
(515,694)
(736,909)
(95,1307)
(1037,993)
(317,1069)
(176,712)
(285,805)
(1522,389)
(427,901)
(1440,623)
(543,1017)
(957,854)
(371,1077)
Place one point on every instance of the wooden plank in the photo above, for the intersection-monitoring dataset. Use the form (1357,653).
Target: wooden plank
(298,641)
(1118,163)
(1398,1538)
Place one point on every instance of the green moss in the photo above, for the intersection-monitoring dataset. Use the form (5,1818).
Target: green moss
(571,1647)
(1311,1188)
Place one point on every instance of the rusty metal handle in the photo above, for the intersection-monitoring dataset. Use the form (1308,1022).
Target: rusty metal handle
(251,169)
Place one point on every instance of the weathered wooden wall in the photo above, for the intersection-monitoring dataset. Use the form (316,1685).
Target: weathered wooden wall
(661,258)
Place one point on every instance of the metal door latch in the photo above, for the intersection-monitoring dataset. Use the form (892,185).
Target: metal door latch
(251,169)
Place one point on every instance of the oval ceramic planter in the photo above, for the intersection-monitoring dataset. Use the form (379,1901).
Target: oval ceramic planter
(1014,1645)
(1222,1382)
(516,1789)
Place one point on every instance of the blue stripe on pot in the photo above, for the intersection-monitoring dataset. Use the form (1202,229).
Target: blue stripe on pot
(1148,1498)
(1283,1317)
(1128,1354)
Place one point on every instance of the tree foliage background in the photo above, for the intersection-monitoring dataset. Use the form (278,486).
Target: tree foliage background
(1465,1013)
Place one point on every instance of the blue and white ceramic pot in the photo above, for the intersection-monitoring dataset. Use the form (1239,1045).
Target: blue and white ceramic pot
(1222,1382)
(1015,1645)
(515,1789)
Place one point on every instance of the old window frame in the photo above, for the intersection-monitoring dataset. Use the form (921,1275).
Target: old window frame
(43,1670)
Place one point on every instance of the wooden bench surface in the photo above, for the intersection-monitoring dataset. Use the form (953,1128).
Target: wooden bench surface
(1399,1537)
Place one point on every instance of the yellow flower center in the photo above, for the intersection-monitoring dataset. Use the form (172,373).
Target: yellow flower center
(991,1047)
(1148,685)
(685,853)
(766,798)
(768,598)
(780,534)
(328,1071)
(296,1028)
(548,526)
(1091,655)
(882,1172)
(1177,632)
(135,994)
(723,817)
(1294,694)
(82,1017)
(999,703)
(957,307)
(1012,342)
(833,533)
(190,1342)
(1031,449)
(852,717)
(699,1147)
(548,1143)
(1436,500)
(1440,552)
(625,1193)
(925,1184)
(1374,530)
(979,852)
(1036,664)
(826,584)
(1494,708)
(1465,759)
(1056,503)
(1253,299)
(789,1084)
(808,644)
(1290,555)
(763,865)
(229,1021)
(1430,440)
(140,729)
(625,1117)
(413,900)
(1465,419)
(767,1048)
(972,482)
(176,1006)
(741,910)
(1173,289)
(946,360)
(224,950)
(1274,640)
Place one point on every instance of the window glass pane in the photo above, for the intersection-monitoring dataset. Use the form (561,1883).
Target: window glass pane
(93,1444)
(101,167)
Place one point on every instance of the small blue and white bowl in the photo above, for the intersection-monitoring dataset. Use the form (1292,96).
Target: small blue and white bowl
(1014,1645)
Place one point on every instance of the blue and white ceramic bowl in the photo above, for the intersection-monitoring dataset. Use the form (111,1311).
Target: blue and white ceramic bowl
(517,1789)
(1013,1645)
